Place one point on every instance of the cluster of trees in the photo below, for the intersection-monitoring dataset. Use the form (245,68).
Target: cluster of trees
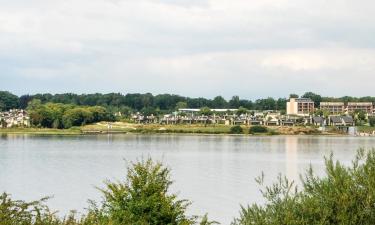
(346,195)
(155,104)
(58,115)
(142,102)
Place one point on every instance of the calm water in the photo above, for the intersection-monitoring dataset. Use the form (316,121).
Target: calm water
(215,172)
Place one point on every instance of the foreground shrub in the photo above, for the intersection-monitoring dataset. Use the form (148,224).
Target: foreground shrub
(143,199)
(346,195)
(236,130)
(258,129)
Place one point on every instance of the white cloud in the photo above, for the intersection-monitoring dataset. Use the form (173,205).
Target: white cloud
(216,46)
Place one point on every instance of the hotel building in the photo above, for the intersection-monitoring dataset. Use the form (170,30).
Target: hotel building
(333,107)
(300,106)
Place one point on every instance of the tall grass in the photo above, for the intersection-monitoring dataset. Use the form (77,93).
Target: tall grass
(346,195)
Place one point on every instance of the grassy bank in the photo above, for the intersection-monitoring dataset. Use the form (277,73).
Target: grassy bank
(191,129)
(366,129)
(41,131)
(123,127)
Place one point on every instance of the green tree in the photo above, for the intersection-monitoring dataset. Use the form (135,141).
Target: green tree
(181,105)
(205,111)
(236,130)
(241,111)
(293,96)
(144,198)
(76,117)
(234,102)
(315,97)
(362,115)
(8,101)
(219,102)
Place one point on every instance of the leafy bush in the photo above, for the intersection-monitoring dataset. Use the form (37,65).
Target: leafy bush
(258,129)
(30,213)
(236,130)
(345,196)
(143,199)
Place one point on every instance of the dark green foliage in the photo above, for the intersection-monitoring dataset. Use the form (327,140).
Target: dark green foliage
(144,198)
(58,115)
(8,101)
(236,130)
(346,195)
(258,129)
(115,102)
(372,121)
(293,96)
(315,97)
(205,111)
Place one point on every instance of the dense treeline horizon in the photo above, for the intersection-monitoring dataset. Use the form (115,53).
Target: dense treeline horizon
(149,103)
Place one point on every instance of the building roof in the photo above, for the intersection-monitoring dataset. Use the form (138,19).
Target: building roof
(331,103)
(318,119)
(348,119)
(303,100)
(336,119)
(212,110)
(359,103)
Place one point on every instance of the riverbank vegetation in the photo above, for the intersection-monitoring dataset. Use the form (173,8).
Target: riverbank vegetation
(345,195)
(129,128)
(143,198)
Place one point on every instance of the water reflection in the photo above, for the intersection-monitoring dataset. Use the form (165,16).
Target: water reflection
(216,172)
(291,149)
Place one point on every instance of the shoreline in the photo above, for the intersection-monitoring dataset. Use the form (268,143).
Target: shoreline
(126,128)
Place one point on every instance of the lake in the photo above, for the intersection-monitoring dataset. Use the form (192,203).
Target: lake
(215,172)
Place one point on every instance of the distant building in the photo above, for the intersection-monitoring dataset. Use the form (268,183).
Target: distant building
(333,107)
(341,121)
(366,107)
(300,106)
(350,107)
(14,118)
(212,110)
(318,121)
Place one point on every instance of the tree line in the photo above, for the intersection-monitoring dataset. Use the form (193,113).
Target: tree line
(154,104)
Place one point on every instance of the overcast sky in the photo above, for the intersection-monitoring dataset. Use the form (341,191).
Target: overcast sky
(251,48)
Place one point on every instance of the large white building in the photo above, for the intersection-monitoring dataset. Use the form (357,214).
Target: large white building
(300,106)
